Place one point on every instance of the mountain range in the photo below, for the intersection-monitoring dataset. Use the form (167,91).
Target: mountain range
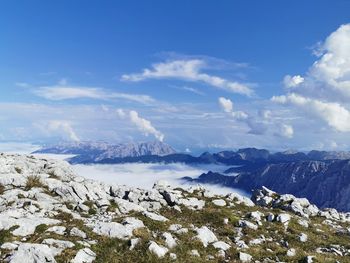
(93,152)
(322,177)
(49,214)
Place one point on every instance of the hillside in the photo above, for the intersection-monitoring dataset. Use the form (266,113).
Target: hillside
(325,183)
(48,214)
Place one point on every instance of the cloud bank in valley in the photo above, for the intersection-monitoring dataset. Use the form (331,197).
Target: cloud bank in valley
(144,175)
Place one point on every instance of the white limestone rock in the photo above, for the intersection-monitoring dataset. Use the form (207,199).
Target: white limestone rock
(221,245)
(192,203)
(219,202)
(303,237)
(59,230)
(244,257)
(155,216)
(84,255)
(116,230)
(32,253)
(245,223)
(291,252)
(283,218)
(170,241)
(158,250)
(76,232)
(239,199)
(206,236)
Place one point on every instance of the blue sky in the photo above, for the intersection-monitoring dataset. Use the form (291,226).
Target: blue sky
(196,74)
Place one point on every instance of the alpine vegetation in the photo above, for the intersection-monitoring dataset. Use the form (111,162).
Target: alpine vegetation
(48,214)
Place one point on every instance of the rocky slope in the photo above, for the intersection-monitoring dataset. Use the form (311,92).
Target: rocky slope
(325,183)
(48,214)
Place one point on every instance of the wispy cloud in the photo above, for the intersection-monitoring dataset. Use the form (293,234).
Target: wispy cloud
(63,127)
(22,84)
(145,126)
(188,70)
(62,91)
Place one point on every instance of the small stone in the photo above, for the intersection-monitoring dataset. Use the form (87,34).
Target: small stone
(76,232)
(244,257)
(221,254)
(59,230)
(221,245)
(169,240)
(206,236)
(303,237)
(219,202)
(283,218)
(245,223)
(194,253)
(84,255)
(134,242)
(291,252)
(270,217)
(158,250)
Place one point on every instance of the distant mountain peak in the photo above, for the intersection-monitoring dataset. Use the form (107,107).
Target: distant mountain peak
(103,150)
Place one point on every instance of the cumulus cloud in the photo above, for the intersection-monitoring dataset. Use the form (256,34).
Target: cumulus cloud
(259,123)
(292,81)
(324,91)
(227,106)
(189,70)
(334,114)
(63,127)
(329,76)
(121,113)
(143,125)
(256,127)
(64,92)
(286,131)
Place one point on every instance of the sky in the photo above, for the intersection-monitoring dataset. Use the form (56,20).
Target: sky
(197,75)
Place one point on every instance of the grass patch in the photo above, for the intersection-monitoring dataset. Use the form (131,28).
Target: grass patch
(2,189)
(33,181)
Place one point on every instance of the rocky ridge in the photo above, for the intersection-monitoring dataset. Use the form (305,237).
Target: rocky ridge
(97,151)
(48,214)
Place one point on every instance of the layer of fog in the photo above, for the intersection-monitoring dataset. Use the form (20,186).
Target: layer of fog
(140,175)
(144,175)
(18,147)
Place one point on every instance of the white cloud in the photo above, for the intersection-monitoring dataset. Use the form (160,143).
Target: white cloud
(226,104)
(145,126)
(143,175)
(121,113)
(323,93)
(256,127)
(334,114)
(22,84)
(333,67)
(64,127)
(286,131)
(193,90)
(292,82)
(329,76)
(189,70)
(63,92)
